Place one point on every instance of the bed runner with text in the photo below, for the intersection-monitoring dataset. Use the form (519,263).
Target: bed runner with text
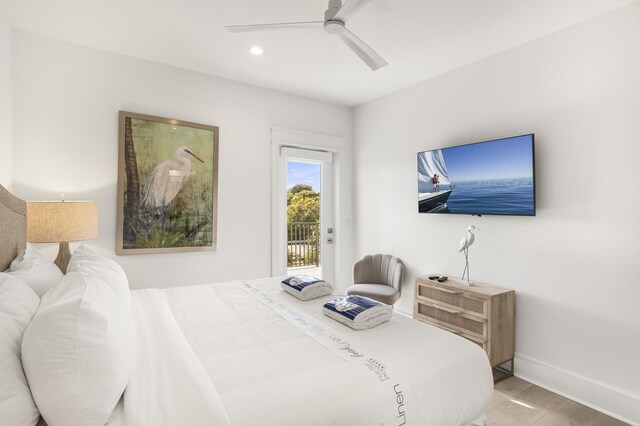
(390,380)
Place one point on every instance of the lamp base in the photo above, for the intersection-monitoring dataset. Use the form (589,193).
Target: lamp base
(64,255)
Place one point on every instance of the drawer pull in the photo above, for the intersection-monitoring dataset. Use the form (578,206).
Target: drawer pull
(446,290)
(442,308)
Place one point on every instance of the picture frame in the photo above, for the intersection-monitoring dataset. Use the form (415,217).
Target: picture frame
(167,185)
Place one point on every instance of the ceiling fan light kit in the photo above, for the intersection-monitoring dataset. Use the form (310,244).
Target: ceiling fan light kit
(334,27)
(335,18)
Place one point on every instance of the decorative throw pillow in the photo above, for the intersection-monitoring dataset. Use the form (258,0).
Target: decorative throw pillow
(88,262)
(36,270)
(18,304)
(77,352)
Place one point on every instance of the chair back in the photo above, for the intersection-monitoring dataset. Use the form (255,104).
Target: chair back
(379,269)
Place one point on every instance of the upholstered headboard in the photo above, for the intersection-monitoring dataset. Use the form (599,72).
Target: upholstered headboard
(13,227)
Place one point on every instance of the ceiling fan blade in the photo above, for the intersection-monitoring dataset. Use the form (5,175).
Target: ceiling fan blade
(349,9)
(274,27)
(360,48)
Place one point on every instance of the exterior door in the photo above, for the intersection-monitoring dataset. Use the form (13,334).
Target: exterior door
(307,212)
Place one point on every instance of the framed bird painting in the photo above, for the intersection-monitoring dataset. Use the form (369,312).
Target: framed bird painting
(167,185)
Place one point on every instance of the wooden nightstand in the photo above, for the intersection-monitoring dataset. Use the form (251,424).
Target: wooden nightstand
(481,313)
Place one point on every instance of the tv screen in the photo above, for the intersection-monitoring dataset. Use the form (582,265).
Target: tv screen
(493,177)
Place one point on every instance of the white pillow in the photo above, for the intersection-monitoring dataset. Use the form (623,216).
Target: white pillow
(18,304)
(77,352)
(17,300)
(36,270)
(88,262)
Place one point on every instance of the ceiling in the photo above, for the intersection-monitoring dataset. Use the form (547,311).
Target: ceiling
(419,38)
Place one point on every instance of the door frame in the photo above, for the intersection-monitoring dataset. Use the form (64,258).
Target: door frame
(324,159)
(285,138)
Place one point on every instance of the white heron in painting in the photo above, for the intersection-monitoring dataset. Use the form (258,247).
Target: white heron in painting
(168,178)
(464,247)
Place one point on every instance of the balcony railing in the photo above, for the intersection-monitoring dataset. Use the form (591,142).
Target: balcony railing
(303,244)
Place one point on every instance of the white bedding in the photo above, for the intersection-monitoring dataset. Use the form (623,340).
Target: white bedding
(214,354)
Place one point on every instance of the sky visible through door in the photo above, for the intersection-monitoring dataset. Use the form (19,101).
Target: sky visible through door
(303,173)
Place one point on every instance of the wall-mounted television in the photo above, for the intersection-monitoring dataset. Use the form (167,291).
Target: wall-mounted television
(494,177)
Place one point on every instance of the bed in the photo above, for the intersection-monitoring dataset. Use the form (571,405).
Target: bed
(247,353)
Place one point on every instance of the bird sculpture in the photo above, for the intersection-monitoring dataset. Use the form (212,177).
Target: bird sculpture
(168,178)
(464,247)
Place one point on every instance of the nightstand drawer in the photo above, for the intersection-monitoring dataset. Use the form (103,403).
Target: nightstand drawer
(455,298)
(477,340)
(452,318)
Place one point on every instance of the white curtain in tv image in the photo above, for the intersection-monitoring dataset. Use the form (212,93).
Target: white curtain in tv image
(494,177)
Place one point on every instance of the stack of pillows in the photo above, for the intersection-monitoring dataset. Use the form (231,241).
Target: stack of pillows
(72,336)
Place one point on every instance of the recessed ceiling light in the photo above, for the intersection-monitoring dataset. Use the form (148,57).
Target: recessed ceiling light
(256,50)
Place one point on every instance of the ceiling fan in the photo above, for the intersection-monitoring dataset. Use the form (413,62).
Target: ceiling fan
(335,18)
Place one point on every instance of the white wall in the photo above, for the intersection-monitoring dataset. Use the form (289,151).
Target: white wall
(574,266)
(6,142)
(66,103)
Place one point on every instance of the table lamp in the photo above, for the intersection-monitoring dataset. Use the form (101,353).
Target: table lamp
(61,222)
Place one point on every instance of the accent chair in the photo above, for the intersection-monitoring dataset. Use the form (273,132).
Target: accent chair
(378,277)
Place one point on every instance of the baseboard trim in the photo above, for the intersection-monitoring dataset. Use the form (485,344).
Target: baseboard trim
(599,396)
(403,313)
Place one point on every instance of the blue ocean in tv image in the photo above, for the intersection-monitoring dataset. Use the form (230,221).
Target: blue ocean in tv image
(494,196)
(494,177)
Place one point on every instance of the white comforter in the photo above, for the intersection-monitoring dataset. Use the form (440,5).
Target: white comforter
(214,354)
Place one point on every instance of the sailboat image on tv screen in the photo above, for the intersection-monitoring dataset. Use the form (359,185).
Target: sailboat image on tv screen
(433,197)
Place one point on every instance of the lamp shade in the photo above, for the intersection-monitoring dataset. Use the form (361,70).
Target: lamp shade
(61,221)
